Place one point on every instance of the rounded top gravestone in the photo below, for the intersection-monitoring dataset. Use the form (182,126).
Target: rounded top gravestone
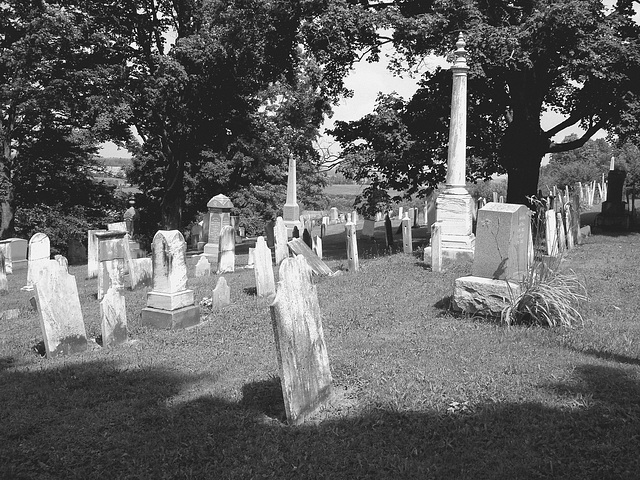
(169,262)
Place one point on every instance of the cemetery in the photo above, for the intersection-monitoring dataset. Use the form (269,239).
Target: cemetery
(444,335)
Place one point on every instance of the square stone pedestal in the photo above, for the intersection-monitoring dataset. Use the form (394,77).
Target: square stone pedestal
(172,319)
(455,214)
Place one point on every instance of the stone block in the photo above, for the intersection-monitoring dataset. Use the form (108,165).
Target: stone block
(485,296)
(175,319)
(170,301)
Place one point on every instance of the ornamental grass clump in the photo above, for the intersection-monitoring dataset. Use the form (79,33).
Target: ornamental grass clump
(548,298)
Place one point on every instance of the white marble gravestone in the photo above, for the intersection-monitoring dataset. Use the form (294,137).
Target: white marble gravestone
(15,253)
(170,304)
(113,315)
(203,267)
(280,233)
(4,285)
(111,253)
(352,247)
(301,350)
(407,239)
(39,255)
(218,216)
(59,309)
(227,250)
(221,295)
(263,269)
(92,253)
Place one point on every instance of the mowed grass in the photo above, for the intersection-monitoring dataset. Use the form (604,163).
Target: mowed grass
(419,392)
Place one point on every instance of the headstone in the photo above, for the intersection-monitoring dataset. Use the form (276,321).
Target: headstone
(342,218)
(92,253)
(196,235)
(227,250)
(388,231)
(62,261)
(203,267)
(280,231)
(141,273)
(117,227)
(251,259)
(317,246)
(436,247)
(110,260)
(15,253)
(614,208)
(567,226)
(551,233)
(562,239)
(306,238)
(269,231)
(415,218)
(4,285)
(263,269)
(221,296)
(352,247)
(407,240)
(484,296)
(170,304)
(7,266)
(219,216)
(295,233)
(333,216)
(368,228)
(354,217)
(302,354)
(318,267)
(60,313)
(400,212)
(502,236)
(323,230)
(113,315)
(39,255)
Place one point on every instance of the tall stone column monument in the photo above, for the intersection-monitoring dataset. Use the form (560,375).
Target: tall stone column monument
(454,205)
(291,209)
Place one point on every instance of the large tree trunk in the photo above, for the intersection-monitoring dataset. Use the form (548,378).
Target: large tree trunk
(174,194)
(7,198)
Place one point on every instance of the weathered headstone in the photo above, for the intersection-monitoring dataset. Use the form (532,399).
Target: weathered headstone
(113,315)
(282,250)
(227,250)
(59,309)
(221,295)
(39,255)
(295,233)
(323,230)
(15,253)
(388,231)
(302,354)
(219,215)
(203,267)
(7,266)
(110,260)
(407,240)
(333,215)
(551,233)
(92,253)
(502,236)
(269,231)
(436,247)
(368,227)
(140,272)
(263,269)
(117,227)
(306,238)
(251,259)
(4,285)
(317,246)
(352,247)
(170,304)
(62,261)
(318,267)
(562,240)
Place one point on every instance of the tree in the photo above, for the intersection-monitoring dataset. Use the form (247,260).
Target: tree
(525,56)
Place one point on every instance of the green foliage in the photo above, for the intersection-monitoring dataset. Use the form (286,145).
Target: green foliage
(485,189)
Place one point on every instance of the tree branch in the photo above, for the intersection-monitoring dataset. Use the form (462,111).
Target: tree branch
(565,147)
(572,120)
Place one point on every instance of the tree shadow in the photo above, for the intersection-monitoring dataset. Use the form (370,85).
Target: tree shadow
(83,420)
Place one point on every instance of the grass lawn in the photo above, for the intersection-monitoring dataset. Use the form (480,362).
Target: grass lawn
(420,392)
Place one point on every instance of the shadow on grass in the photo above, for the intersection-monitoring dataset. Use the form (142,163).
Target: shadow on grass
(605,355)
(96,420)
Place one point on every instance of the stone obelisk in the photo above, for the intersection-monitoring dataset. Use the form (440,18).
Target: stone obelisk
(291,210)
(454,206)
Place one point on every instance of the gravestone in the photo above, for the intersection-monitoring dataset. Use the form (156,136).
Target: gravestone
(614,210)
(140,273)
(251,260)
(110,260)
(352,247)
(298,247)
(400,212)
(62,261)
(263,269)
(92,253)
(282,250)
(227,250)
(295,233)
(317,246)
(269,231)
(354,217)
(15,253)
(117,227)
(113,315)
(170,304)
(436,247)
(221,295)
(219,216)
(301,350)
(4,285)
(333,216)
(59,309)
(562,240)
(551,233)
(502,236)
(39,255)
(5,251)
(306,238)
(388,231)
(203,267)
(407,240)
(291,209)
(368,227)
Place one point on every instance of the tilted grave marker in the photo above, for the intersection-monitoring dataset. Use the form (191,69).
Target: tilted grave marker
(301,350)
(318,267)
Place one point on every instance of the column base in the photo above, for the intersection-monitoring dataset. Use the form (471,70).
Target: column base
(165,319)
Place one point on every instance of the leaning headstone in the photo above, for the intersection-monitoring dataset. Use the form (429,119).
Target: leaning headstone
(352,247)
(407,241)
(170,304)
(4,285)
(203,267)
(227,250)
(263,269)
(60,313)
(110,260)
(302,354)
(92,253)
(280,231)
(502,236)
(221,296)
(113,315)
(62,261)
(318,267)
(317,246)
(39,255)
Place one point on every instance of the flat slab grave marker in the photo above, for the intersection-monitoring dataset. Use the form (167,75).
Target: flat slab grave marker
(170,304)
(59,310)
(318,267)
(302,353)
(502,237)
